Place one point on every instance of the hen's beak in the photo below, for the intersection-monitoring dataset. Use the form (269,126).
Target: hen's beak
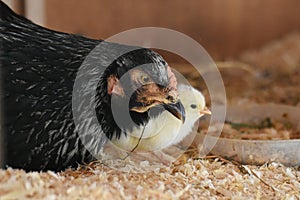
(205,111)
(176,109)
(151,96)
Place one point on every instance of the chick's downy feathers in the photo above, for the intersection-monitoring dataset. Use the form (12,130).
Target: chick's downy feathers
(165,130)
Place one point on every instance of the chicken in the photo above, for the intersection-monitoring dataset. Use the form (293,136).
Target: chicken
(165,130)
(44,93)
(157,134)
(195,107)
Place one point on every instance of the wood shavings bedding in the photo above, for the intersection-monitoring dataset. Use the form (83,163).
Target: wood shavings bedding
(194,179)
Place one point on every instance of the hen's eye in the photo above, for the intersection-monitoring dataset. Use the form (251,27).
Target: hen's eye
(193,106)
(144,78)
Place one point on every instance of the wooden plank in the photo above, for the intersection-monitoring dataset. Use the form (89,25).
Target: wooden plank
(17,5)
(224,28)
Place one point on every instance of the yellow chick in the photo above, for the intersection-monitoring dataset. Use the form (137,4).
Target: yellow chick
(165,130)
(195,107)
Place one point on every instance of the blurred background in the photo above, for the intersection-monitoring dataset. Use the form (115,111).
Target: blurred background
(256,44)
(224,28)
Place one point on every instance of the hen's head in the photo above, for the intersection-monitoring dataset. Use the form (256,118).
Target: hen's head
(140,81)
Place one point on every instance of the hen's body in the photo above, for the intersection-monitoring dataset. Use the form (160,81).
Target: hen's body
(38,71)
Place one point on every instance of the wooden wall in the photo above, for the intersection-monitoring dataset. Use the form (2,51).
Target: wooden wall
(224,28)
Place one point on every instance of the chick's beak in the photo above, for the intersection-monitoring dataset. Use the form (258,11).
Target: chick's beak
(205,111)
(176,109)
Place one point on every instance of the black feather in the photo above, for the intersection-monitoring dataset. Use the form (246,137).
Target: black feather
(38,71)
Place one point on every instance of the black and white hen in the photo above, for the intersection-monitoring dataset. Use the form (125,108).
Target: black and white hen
(44,73)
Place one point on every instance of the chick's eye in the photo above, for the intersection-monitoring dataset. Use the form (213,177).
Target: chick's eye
(193,106)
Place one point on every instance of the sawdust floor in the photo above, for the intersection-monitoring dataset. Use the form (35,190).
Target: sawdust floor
(269,74)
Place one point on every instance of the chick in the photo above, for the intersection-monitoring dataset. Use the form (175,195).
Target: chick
(157,134)
(165,129)
(195,107)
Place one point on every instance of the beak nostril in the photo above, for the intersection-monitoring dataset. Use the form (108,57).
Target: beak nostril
(172,96)
(171,99)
